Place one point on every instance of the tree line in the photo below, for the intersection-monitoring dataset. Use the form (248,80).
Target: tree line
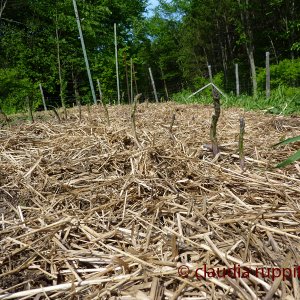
(39,43)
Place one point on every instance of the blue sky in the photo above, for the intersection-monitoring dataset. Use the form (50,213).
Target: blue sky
(152,4)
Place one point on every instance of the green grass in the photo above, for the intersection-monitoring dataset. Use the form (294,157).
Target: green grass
(284,101)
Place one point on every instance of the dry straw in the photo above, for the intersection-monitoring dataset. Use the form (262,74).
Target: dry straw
(86,212)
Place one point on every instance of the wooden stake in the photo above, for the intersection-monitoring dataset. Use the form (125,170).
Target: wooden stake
(268,83)
(237,79)
(84,52)
(43,97)
(153,85)
(117,66)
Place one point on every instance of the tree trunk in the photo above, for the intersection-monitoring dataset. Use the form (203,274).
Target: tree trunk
(2,7)
(245,18)
(62,98)
(252,68)
(126,73)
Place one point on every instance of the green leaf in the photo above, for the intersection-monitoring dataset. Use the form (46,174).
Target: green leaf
(290,140)
(290,160)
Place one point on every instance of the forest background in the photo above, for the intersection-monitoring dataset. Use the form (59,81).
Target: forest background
(40,44)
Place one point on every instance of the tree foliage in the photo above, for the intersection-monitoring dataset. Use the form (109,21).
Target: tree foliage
(178,41)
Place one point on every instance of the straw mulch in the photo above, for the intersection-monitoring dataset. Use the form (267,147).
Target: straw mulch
(89,212)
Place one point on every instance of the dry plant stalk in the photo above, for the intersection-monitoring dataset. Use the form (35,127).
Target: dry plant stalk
(86,214)
(133,124)
(241,144)
(172,123)
(214,122)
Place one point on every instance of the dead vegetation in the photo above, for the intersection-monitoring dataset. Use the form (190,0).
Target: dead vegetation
(86,213)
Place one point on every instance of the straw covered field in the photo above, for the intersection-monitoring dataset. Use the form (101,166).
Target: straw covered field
(89,212)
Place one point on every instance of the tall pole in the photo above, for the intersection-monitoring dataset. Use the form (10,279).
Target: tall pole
(117,66)
(84,52)
(43,97)
(153,85)
(268,84)
(237,80)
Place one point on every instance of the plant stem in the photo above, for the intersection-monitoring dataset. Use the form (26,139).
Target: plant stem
(241,144)
(214,122)
(133,119)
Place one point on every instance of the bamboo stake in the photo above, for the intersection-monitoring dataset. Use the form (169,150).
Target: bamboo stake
(237,80)
(43,97)
(84,52)
(153,85)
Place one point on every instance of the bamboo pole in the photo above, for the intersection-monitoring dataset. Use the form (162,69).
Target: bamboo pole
(237,80)
(153,85)
(43,97)
(84,52)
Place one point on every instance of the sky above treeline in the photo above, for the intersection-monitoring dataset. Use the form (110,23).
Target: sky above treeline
(151,6)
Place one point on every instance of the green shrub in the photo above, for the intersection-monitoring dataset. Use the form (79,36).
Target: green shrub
(286,73)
